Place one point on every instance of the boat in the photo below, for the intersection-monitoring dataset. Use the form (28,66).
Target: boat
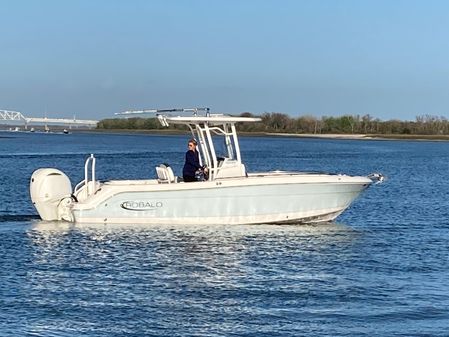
(228,194)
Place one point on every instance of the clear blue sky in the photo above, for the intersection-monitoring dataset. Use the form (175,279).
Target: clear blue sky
(93,58)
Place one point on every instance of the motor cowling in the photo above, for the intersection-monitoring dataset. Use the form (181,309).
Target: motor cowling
(48,186)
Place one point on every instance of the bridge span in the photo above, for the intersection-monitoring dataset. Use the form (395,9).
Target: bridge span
(15,117)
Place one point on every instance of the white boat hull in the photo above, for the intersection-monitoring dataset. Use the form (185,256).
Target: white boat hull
(228,196)
(259,199)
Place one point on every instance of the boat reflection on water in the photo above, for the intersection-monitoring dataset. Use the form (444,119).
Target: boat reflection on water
(178,267)
(233,230)
(206,242)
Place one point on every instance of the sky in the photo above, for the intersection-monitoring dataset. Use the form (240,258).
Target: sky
(93,58)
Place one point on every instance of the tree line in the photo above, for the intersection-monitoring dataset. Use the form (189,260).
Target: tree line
(275,122)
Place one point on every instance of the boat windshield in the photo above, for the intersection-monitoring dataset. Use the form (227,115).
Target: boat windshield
(224,147)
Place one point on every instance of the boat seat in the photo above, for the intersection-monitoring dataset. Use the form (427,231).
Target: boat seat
(165,174)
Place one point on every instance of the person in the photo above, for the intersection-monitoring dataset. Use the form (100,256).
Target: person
(192,163)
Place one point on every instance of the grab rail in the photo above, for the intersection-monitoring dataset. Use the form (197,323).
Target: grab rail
(78,187)
(89,186)
(91,160)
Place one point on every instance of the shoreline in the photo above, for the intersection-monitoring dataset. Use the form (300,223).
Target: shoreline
(351,136)
(370,136)
(341,136)
(297,135)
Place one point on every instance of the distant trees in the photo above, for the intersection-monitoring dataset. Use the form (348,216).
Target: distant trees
(130,123)
(282,123)
(134,124)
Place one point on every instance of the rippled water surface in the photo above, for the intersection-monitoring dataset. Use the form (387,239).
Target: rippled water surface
(380,270)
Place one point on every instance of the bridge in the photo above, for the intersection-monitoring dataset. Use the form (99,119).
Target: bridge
(15,117)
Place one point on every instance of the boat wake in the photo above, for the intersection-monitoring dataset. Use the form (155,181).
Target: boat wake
(18,217)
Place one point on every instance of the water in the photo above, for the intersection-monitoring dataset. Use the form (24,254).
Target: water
(380,270)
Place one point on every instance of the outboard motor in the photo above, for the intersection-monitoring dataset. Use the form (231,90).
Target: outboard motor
(48,186)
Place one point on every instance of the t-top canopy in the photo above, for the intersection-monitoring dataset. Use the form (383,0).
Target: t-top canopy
(211,119)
